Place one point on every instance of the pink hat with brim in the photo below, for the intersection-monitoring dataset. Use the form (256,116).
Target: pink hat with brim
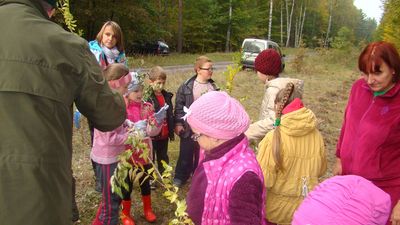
(218,115)
(344,200)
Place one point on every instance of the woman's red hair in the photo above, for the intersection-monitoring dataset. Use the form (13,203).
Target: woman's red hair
(375,53)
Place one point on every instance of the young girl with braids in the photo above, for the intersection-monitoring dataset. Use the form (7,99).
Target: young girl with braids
(292,156)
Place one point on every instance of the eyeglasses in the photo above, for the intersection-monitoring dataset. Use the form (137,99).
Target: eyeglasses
(208,69)
(195,137)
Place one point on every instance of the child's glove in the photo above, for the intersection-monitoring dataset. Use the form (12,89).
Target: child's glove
(161,114)
(129,123)
(141,126)
(77,119)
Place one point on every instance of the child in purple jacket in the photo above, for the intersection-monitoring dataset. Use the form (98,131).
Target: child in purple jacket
(228,185)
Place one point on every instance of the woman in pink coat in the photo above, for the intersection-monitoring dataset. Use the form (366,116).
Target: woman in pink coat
(369,143)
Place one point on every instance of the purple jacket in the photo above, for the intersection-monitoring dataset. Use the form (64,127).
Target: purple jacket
(227,187)
(369,143)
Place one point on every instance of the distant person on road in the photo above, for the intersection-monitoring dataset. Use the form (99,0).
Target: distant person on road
(159,97)
(227,187)
(268,65)
(108,48)
(45,70)
(369,142)
(292,156)
(189,92)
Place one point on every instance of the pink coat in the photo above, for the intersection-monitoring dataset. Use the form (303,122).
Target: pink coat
(108,145)
(344,200)
(222,174)
(139,111)
(369,142)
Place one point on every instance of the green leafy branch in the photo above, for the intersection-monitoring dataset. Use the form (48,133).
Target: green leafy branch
(69,20)
(232,71)
(127,167)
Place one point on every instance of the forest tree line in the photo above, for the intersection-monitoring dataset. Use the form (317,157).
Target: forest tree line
(221,25)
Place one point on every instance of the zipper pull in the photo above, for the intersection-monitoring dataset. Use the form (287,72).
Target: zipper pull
(304,188)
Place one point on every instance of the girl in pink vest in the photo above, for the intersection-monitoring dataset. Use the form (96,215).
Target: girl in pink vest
(227,186)
(142,115)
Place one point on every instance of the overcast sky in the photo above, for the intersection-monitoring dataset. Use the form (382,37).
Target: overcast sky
(371,8)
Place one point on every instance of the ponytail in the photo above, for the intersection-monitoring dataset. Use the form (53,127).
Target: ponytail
(281,101)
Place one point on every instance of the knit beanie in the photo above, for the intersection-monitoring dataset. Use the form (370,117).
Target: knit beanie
(136,82)
(52,3)
(350,200)
(218,115)
(268,62)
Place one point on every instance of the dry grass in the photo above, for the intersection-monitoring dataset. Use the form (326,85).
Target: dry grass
(328,77)
(148,61)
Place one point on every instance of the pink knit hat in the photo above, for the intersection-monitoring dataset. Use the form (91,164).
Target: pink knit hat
(344,200)
(218,115)
(268,62)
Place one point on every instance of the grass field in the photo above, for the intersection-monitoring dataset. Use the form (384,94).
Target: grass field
(147,61)
(327,74)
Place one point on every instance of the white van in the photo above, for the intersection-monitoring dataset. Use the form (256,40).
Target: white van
(252,47)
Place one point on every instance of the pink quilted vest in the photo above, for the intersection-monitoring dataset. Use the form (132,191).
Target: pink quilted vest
(222,174)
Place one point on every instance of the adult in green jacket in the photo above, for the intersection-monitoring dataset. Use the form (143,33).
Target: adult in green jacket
(43,71)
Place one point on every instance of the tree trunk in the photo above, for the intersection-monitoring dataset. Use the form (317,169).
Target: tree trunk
(270,19)
(180,26)
(281,25)
(329,25)
(296,28)
(290,25)
(228,32)
(287,17)
(298,25)
(302,25)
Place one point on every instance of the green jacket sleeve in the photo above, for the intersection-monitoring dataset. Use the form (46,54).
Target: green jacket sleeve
(95,100)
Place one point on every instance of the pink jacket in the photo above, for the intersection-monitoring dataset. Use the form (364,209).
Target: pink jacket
(369,142)
(347,200)
(222,174)
(139,111)
(108,145)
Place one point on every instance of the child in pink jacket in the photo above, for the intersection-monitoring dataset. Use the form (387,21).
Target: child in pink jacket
(344,200)
(145,120)
(106,148)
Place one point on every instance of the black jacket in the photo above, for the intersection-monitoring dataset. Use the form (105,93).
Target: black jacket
(170,116)
(184,97)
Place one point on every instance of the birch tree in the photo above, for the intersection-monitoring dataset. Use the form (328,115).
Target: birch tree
(302,24)
(329,24)
(180,26)
(281,25)
(270,19)
(289,23)
(228,32)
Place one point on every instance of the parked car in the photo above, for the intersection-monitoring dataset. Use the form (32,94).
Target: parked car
(252,47)
(148,48)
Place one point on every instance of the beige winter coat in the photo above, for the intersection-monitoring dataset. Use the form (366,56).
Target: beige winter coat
(259,129)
